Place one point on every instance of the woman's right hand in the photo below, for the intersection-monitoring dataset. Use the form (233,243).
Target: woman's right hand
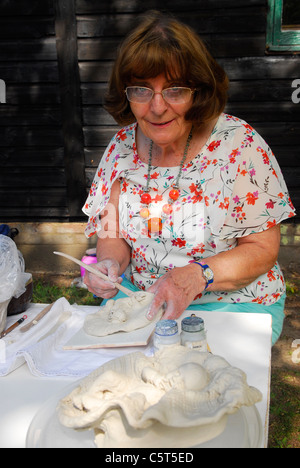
(100,287)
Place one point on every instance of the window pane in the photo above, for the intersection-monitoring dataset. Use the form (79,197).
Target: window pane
(291,14)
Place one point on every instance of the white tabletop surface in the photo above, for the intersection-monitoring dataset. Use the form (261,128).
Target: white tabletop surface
(244,340)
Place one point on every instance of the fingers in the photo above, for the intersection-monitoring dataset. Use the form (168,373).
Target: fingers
(172,312)
(162,300)
(157,303)
(170,307)
(100,287)
(172,293)
(112,270)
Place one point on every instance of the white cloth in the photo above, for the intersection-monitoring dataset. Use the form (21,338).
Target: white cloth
(42,347)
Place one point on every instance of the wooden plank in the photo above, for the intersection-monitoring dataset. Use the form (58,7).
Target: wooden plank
(33,198)
(32,214)
(98,49)
(93,93)
(235,45)
(90,174)
(273,133)
(34,7)
(99,136)
(93,156)
(125,6)
(241,18)
(30,136)
(295,197)
(264,68)
(291,176)
(33,94)
(96,115)
(90,26)
(251,20)
(287,155)
(65,25)
(28,50)
(94,72)
(276,91)
(25,115)
(255,112)
(32,157)
(28,177)
(30,72)
(36,27)
(220,45)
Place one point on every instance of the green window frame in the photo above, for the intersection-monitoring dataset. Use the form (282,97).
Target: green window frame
(279,39)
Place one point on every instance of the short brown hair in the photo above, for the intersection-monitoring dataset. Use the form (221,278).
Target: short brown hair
(162,44)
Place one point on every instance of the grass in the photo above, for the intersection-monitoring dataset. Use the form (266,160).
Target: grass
(47,293)
(284,420)
(284,409)
(293,285)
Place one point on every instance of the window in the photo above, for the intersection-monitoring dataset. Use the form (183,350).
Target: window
(283,32)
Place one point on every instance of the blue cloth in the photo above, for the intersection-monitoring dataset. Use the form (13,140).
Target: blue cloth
(4,229)
(276,310)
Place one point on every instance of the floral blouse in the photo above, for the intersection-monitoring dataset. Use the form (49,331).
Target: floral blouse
(232,188)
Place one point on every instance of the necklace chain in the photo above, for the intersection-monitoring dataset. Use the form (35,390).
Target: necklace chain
(176,185)
(155,223)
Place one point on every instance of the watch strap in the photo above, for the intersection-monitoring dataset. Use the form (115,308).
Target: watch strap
(204,267)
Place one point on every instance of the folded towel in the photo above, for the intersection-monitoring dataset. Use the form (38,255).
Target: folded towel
(42,347)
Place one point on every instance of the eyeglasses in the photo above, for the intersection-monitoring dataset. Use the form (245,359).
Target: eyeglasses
(141,95)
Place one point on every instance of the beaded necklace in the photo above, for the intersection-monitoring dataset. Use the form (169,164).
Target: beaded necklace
(155,223)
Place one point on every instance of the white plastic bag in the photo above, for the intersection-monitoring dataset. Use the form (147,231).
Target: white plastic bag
(12,276)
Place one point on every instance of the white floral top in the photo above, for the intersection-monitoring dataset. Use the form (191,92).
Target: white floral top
(232,188)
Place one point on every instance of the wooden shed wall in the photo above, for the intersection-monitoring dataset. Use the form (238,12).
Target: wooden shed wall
(32,179)
(49,48)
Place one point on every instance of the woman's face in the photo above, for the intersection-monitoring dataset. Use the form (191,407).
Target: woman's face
(158,120)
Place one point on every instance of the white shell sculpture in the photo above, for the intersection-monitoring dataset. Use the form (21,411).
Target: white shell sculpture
(139,401)
(125,314)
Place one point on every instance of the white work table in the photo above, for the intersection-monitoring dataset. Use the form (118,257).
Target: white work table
(244,340)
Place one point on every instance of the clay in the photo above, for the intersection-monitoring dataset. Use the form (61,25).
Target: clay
(139,401)
(125,314)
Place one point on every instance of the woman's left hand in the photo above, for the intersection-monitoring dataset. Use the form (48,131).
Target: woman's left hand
(177,290)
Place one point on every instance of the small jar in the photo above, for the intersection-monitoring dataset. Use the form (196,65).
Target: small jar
(193,334)
(166,334)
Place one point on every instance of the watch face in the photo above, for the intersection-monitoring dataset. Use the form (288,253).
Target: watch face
(208,273)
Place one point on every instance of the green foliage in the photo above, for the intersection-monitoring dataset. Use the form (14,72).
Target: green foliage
(47,293)
(284,409)
(293,286)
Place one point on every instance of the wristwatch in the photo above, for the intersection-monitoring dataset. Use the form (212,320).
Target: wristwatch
(207,273)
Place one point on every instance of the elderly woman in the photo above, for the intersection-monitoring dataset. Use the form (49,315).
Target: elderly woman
(187,201)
